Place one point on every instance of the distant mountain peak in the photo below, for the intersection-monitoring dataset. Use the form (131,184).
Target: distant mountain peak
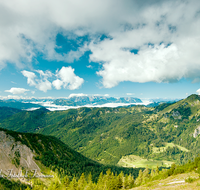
(85,100)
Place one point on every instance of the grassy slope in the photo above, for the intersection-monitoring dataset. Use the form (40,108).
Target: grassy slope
(138,162)
(174,182)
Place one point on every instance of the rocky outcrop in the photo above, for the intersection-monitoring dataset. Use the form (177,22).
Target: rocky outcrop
(196,132)
(14,155)
(175,114)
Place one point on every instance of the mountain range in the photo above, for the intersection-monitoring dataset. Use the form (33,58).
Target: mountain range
(166,133)
(84,139)
(99,100)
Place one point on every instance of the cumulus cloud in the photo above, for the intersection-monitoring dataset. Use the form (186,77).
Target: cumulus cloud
(165,35)
(29,27)
(156,64)
(30,77)
(65,78)
(130,94)
(57,84)
(42,84)
(68,79)
(17,90)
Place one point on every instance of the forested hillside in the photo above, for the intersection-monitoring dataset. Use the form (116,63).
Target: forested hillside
(72,171)
(128,136)
(18,105)
(57,156)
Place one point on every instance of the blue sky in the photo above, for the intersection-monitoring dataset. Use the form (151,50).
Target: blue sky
(118,48)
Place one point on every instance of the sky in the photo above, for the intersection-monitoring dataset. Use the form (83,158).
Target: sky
(132,48)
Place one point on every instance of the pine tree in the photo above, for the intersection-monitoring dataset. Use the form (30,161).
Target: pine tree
(125,185)
(89,177)
(100,183)
(157,171)
(119,181)
(56,185)
(145,175)
(152,173)
(73,184)
(130,181)
(139,179)
(81,182)
(110,182)
(90,186)
(66,181)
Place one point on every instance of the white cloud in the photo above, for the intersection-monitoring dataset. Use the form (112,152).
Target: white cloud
(89,66)
(65,77)
(29,27)
(17,90)
(156,64)
(173,54)
(198,91)
(45,74)
(77,95)
(68,78)
(42,84)
(30,77)
(57,84)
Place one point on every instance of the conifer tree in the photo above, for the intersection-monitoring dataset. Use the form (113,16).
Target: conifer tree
(157,171)
(73,184)
(139,179)
(89,177)
(152,173)
(81,182)
(130,181)
(107,179)
(110,182)
(145,175)
(66,181)
(100,183)
(119,181)
(125,185)
(90,186)
(56,185)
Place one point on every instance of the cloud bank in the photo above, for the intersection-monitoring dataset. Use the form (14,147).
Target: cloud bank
(146,41)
